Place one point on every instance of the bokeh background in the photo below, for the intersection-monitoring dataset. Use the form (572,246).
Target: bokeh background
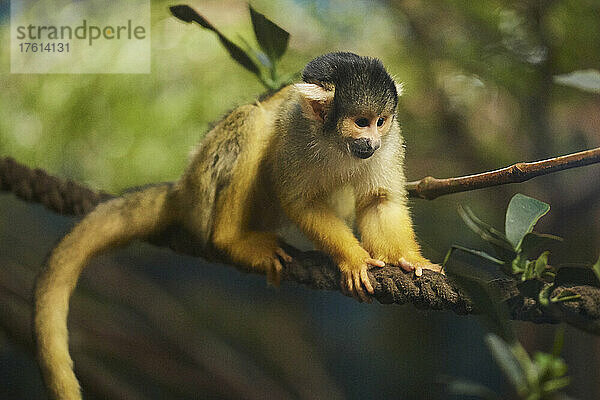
(149,323)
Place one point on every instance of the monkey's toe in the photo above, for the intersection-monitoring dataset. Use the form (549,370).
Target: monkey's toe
(284,256)
(274,272)
(406,265)
(354,283)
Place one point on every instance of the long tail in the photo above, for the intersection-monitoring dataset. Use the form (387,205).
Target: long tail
(113,223)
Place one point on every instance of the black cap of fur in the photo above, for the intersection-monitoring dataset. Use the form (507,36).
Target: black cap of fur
(361,83)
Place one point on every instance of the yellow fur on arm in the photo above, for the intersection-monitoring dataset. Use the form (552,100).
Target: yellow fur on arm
(328,232)
(386,229)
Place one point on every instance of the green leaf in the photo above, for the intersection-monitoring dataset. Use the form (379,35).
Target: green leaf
(187,14)
(565,295)
(272,39)
(522,214)
(551,372)
(464,387)
(558,367)
(533,242)
(556,384)
(587,80)
(486,300)
(506,360)
(487,232)
(544,296)
(540,264)
(549,365)
(529,271)
(596,269)
(478,253)
(518,265)
(559,341)
(543,362)
(497,239)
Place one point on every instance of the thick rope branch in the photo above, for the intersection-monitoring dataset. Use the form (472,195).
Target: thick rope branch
(429,187)
(392,285)
(36,185)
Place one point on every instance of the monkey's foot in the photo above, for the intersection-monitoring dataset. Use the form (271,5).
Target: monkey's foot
(274,266)
(419,266)
(353,280)
(259,251)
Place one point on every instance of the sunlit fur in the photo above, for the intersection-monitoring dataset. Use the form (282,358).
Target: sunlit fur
(263,165)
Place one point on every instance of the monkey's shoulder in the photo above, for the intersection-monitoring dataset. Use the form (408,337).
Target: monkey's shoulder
(254,119)
(242,137)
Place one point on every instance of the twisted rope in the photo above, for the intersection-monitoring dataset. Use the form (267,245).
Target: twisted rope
(36,185)
(392,285)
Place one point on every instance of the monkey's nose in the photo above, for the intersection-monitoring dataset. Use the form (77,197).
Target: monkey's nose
(364,147)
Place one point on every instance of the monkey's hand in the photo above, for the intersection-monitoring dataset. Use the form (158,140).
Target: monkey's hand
(275,267)
(354,276)
(387,234)
(260,251)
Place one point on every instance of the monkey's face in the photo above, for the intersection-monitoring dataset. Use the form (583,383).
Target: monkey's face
(353,97)
(362,133)
(354,121)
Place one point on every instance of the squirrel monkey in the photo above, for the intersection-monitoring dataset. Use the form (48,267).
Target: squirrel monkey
(277,160)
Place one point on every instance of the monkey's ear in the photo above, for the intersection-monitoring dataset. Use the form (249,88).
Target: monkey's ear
(399,88)
(315,100)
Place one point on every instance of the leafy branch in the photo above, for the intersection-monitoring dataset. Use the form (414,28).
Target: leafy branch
(523,254)
(272,39)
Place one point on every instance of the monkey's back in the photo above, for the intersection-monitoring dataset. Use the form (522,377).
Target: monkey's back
(230,162)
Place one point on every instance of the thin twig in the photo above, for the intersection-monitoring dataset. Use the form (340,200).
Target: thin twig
(429,187)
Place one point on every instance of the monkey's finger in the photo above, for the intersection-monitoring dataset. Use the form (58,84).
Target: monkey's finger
(343,286)
(277,268)
(366,281)
(405,265)
(359,288)
(273,273)
(284,256)
(419,271)
(375,263)
(347,282)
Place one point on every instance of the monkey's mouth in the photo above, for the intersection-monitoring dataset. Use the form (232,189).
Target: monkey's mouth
(363,147)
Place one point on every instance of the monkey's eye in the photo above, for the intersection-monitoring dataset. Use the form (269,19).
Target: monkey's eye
(362,122)
(380,121)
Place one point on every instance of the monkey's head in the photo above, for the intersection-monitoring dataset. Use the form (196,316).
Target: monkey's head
(352,98)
